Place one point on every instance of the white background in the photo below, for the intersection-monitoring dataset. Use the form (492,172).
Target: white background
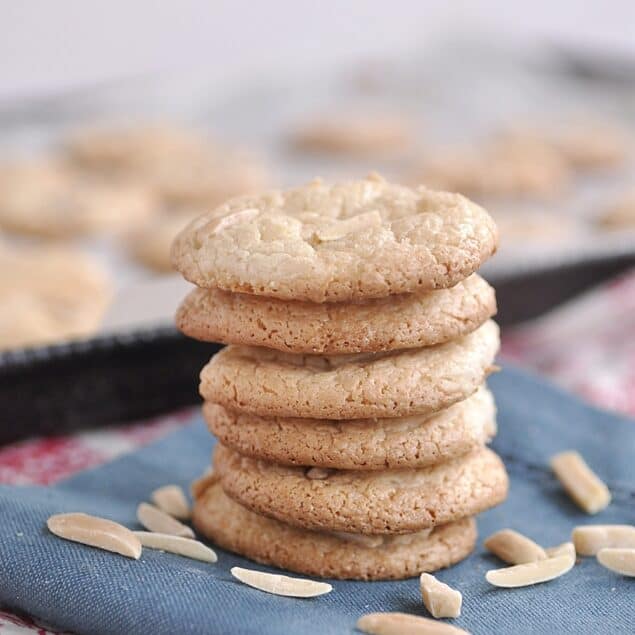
(53,45)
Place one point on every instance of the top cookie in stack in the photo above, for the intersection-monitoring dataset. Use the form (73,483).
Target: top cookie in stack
(351,406)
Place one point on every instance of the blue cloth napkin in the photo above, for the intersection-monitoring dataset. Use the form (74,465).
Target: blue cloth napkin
(90,591)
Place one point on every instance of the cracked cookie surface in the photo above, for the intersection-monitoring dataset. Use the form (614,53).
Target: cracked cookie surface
(268,541)
(369,502)
(396,322)
(319,242)
(361,444)
(390,384)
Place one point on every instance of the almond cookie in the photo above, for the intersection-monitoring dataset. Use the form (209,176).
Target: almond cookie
(150,245)
(362,444)
(360,134)
(390,384)
(127,149)
(396,322)
(71,206)
(365,502)
(504,168)
(360,239)
(207,180)
(49,294)
(592,145)
(329,555)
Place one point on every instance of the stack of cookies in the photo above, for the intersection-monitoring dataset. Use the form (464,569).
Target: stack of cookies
(350,405)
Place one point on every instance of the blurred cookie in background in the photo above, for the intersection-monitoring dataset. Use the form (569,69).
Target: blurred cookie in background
(589,145)
(585,145)
(207,180)
(132,148)
(49,294)
(150,245)
(496,169)
(359,135)
(620,214)
(183,167)
(67,205)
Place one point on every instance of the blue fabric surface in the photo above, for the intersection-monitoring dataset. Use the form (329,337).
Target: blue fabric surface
(89,591)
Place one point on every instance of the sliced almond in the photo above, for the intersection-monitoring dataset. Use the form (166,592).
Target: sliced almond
(153,519)
(318,473)
(178,545)
(371,542)
(618,560)
(530,572)
(514,548)
(403,623)
(95,532)
(589,539)
(440,599)
(199,485)
(565,549)
(242,216)
(281,584)
(580,482)
(340,228)
(171,499)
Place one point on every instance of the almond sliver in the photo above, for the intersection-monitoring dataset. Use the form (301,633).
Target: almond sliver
(514,548)
(172,500)
(153,519)
(440,599)
(531,572)
(280,584)
(589,539)
(618,560)
(95,532)
(404,624)
(565,549)
(580,482)
(177,544)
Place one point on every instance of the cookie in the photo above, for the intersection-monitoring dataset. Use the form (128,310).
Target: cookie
(366,502)
(592,145)
(150,245)
(391,384)
(362,444)
(126,149)
(208,179)
(348,557)
(359,134)
(182,167)
(71,206)
(360,239)
(396,322)
(504,168)
(49,294)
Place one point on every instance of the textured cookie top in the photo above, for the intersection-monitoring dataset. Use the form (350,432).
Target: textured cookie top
(360,444)
(395,322)
(320,242)
(343,556)
(369,502)
(391,384)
